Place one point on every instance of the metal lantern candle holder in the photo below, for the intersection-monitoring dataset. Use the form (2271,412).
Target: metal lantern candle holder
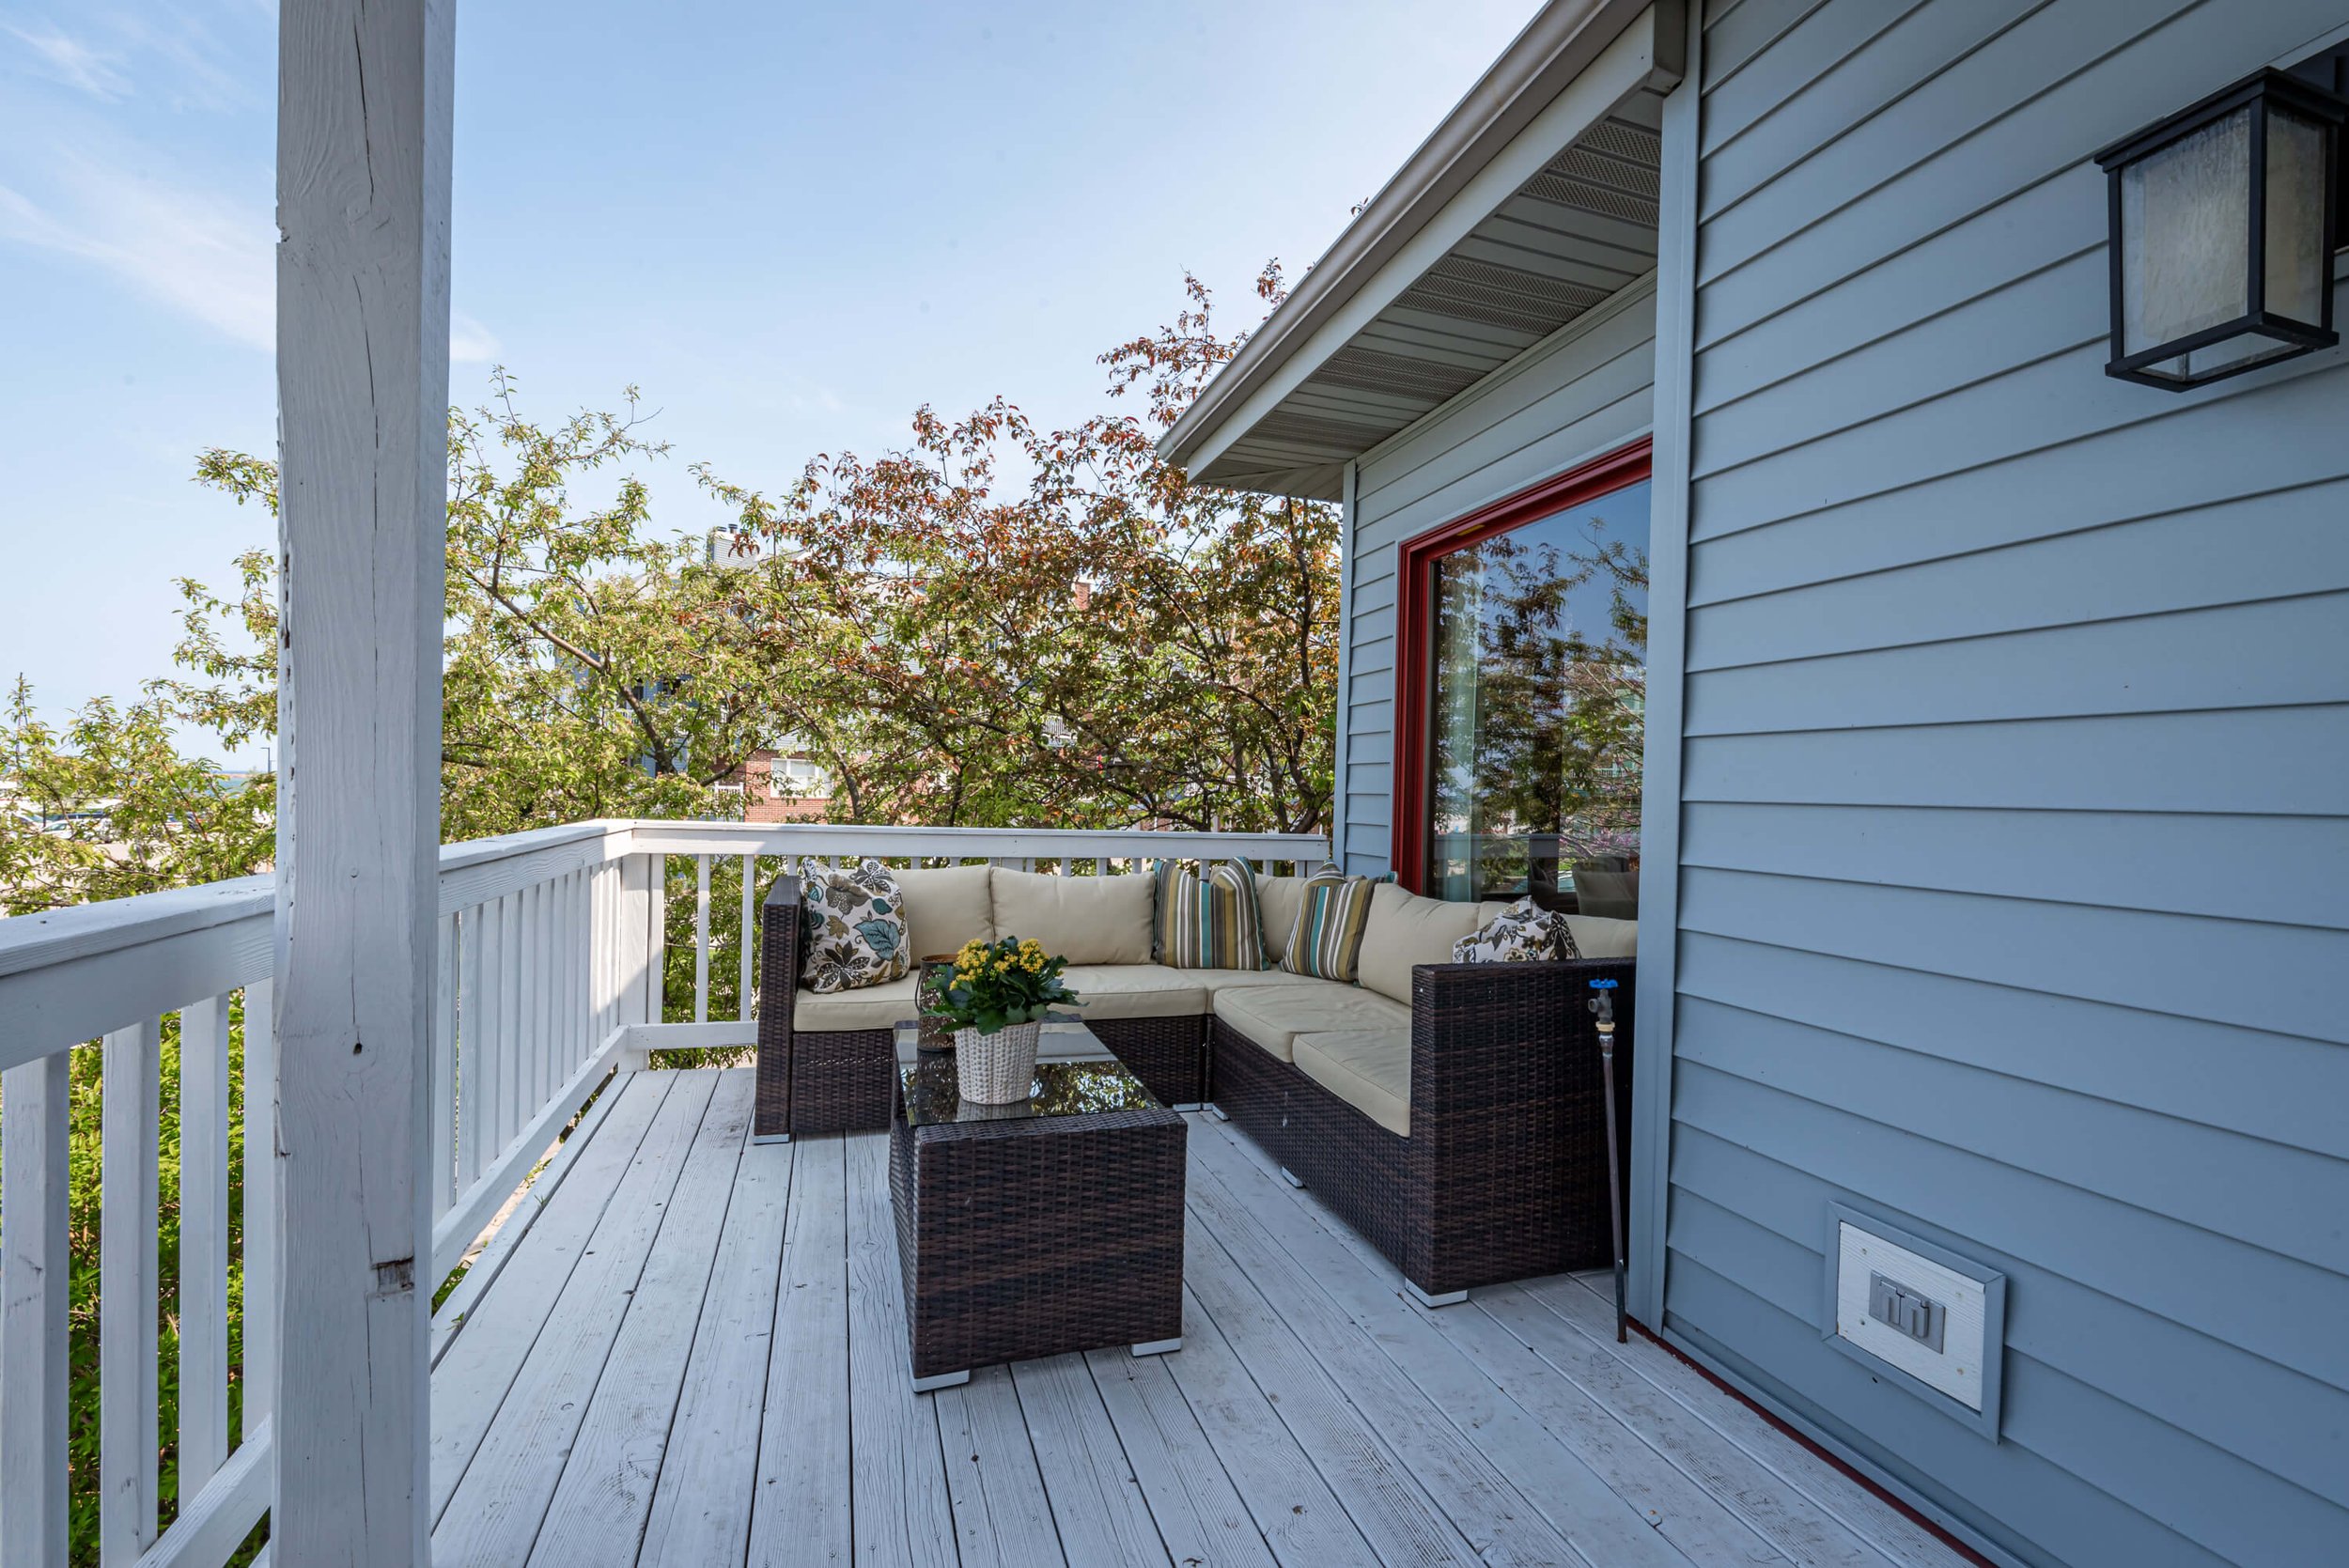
(2224,218)
(931,1032)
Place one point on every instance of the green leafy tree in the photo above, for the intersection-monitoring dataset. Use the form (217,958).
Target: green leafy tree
(104,806)
(593,667)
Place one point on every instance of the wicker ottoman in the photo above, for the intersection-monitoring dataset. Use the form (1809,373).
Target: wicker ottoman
(1038,1229)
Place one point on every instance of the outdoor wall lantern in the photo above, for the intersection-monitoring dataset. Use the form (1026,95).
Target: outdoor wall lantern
(2224,220)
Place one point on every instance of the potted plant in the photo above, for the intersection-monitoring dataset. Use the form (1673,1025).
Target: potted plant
(996,1000)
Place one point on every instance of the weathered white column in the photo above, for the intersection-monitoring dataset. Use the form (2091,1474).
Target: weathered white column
(362,206)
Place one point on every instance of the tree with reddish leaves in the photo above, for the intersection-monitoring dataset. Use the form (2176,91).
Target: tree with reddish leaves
(1053,628)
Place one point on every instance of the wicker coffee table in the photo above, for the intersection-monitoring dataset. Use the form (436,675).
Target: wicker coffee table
(1036,1228)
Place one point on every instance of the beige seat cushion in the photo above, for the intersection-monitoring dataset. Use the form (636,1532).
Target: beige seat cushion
(866,1007)
(1597,937)
(1136,991)
(1085,920)
(945,908)
(1370,1069)
(1406,930)
(1223,979)
(1277,899)
(1274,1015)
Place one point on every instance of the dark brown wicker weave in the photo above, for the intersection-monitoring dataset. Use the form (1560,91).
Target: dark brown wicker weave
(779,927)
(1505,1173)
(1031,1237)
(1168,1054)
(839,1080)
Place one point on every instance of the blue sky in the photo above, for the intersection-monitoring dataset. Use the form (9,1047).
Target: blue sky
(790,223)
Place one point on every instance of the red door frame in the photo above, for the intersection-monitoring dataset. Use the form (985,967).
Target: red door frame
(1414,656)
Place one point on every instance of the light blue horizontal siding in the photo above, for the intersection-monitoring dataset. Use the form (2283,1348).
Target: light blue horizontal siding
(2014,830)
(1581,393)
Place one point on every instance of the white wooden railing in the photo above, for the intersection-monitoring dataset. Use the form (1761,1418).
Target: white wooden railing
(551,957)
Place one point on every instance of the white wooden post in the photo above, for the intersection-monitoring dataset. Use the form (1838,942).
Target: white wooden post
(364,125)
(36,1289)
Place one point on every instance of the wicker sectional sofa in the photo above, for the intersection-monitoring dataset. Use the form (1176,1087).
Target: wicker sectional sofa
(1450,1112)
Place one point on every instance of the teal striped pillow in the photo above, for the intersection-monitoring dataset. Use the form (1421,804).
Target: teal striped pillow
(1210,921)
(1328,932)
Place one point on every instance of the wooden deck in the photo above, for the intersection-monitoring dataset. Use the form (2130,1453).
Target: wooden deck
(694,1354)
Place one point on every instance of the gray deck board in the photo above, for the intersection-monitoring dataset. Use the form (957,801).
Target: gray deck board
(1002,1515)
(800,1509)
(697,1355)
(901,1513)
(701,1510)
(597,1519)
(1191,1497)
(493,1516)
(1096,1498)
(1496,1469)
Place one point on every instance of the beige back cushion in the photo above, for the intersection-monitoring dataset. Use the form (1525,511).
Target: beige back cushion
(1597,937)
(1085,920)
(1277,899)
(945,908)
(1405,929)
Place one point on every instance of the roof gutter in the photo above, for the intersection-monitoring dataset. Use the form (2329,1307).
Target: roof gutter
(1539,64)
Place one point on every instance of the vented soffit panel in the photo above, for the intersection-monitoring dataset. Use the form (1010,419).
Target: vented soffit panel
(1512,261)
(1521,275)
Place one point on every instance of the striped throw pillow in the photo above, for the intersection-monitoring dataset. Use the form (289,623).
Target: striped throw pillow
(1328,932)
(1209,920)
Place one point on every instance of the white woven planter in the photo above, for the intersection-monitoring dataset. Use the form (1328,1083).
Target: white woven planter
(998,1068)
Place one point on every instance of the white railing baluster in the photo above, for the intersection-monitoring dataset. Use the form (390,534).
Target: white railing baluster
(473,1055)
(599,954)
(701,939)
(497,991)
(591,1031)
(36,1293)
(259,1359)
(513,1017)
(442,1178)
(542,994)
(657,941)
(551,930)
(127,1400)
(749,937)
(567,946)
(530,1006)
(203,1242)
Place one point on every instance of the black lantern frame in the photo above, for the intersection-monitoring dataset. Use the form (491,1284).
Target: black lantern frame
(2260,92)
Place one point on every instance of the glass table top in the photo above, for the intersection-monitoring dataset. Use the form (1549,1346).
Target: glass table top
(1072,1081)
(1062,1035)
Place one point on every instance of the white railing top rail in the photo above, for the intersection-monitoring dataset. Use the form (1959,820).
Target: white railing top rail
(70,975)
(886,843)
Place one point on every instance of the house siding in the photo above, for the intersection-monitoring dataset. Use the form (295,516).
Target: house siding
(2015,727)
(1577,395)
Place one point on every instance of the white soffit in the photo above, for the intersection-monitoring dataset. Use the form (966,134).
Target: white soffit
(1559,218)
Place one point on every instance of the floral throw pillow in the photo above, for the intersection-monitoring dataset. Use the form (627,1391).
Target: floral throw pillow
(855,928)
(1524,933)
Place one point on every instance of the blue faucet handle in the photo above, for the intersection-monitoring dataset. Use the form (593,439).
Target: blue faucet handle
(1603,984)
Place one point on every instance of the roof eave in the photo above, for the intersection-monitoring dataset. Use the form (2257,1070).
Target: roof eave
(1539,64)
